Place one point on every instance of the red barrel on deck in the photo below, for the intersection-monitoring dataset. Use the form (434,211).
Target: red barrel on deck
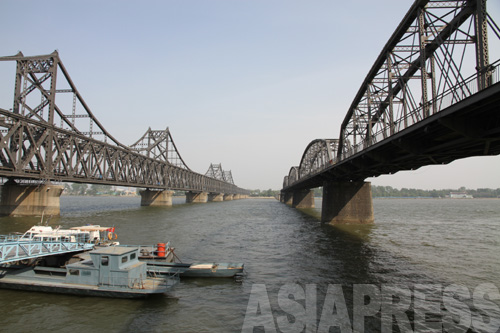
(160,249)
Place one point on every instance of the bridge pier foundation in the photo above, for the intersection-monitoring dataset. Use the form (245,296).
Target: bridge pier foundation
(347,202)
(216,197)
(196,197)
(287,198)
(303,199)
(30,200)
(156,198)
(228,197)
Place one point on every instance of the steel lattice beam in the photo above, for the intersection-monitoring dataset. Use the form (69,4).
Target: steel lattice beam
(430,76)
(45,139)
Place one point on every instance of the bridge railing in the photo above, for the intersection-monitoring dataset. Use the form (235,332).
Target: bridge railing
(460,92)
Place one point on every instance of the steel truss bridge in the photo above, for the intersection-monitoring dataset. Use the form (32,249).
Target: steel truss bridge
(431,97)
(44,138)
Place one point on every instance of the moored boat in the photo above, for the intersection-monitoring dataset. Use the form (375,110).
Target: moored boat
(87,234)
(110,272)
(195,270)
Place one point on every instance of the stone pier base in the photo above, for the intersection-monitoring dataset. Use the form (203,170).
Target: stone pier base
(196,197)
(303,199)
(216,197)
(347,202)
(156,198)
(30,200)
(287,198)
(228,197)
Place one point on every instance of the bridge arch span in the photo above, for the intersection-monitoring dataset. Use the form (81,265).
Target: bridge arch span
(293,175)
(318,155)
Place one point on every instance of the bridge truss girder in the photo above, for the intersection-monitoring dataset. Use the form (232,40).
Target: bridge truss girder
(159,145)
(435,66)
(45,139)
(216,171)
(423,69)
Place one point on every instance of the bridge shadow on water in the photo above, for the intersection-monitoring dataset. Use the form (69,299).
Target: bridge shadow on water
(347,255)
(362,261)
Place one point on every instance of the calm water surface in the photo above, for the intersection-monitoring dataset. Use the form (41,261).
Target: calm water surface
(427,241)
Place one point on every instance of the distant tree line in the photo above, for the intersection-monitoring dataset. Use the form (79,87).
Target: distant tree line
(264,193)
(390,192)
(93,190)
(377,191)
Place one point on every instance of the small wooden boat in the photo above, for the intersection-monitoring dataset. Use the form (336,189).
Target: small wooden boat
(113,271)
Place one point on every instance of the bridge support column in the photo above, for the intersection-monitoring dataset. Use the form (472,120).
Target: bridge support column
(347,202)
(303,199)
(30,200)
(196,197)
(287,198)
(228,197)
(156,198)
(216,197)
(236,197)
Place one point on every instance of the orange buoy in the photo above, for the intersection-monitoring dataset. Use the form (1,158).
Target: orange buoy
(160,249)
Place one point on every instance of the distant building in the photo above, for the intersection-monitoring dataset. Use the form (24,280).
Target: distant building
(460,195)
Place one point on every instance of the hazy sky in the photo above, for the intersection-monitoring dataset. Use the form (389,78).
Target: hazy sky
(245,83)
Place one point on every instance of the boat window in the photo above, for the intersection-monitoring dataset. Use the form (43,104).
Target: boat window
(86,273)
(104,260)
(132,256)
(124,259)
(74,272)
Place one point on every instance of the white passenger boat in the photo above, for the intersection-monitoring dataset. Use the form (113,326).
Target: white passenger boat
(86,234)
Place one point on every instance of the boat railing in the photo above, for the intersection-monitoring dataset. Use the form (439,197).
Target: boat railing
(149,250)
(72,238)
(10,238)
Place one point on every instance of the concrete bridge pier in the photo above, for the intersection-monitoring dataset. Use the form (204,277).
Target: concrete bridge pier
(30,200)
(196,197)
(216,197)
(347,202)
(228,197)
(287,198)
(303,199)
(156,198)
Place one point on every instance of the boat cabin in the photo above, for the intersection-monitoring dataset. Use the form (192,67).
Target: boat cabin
(114,266)
(85,234)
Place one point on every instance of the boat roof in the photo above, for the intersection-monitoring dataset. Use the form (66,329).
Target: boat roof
(91,228)
(115,250)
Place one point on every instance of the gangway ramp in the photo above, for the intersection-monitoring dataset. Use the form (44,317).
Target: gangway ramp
(15,250)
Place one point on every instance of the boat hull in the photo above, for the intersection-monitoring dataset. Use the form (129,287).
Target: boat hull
(196,270)
(71,290)
(52,280)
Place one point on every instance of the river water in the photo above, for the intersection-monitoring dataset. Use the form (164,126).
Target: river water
(415,245)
